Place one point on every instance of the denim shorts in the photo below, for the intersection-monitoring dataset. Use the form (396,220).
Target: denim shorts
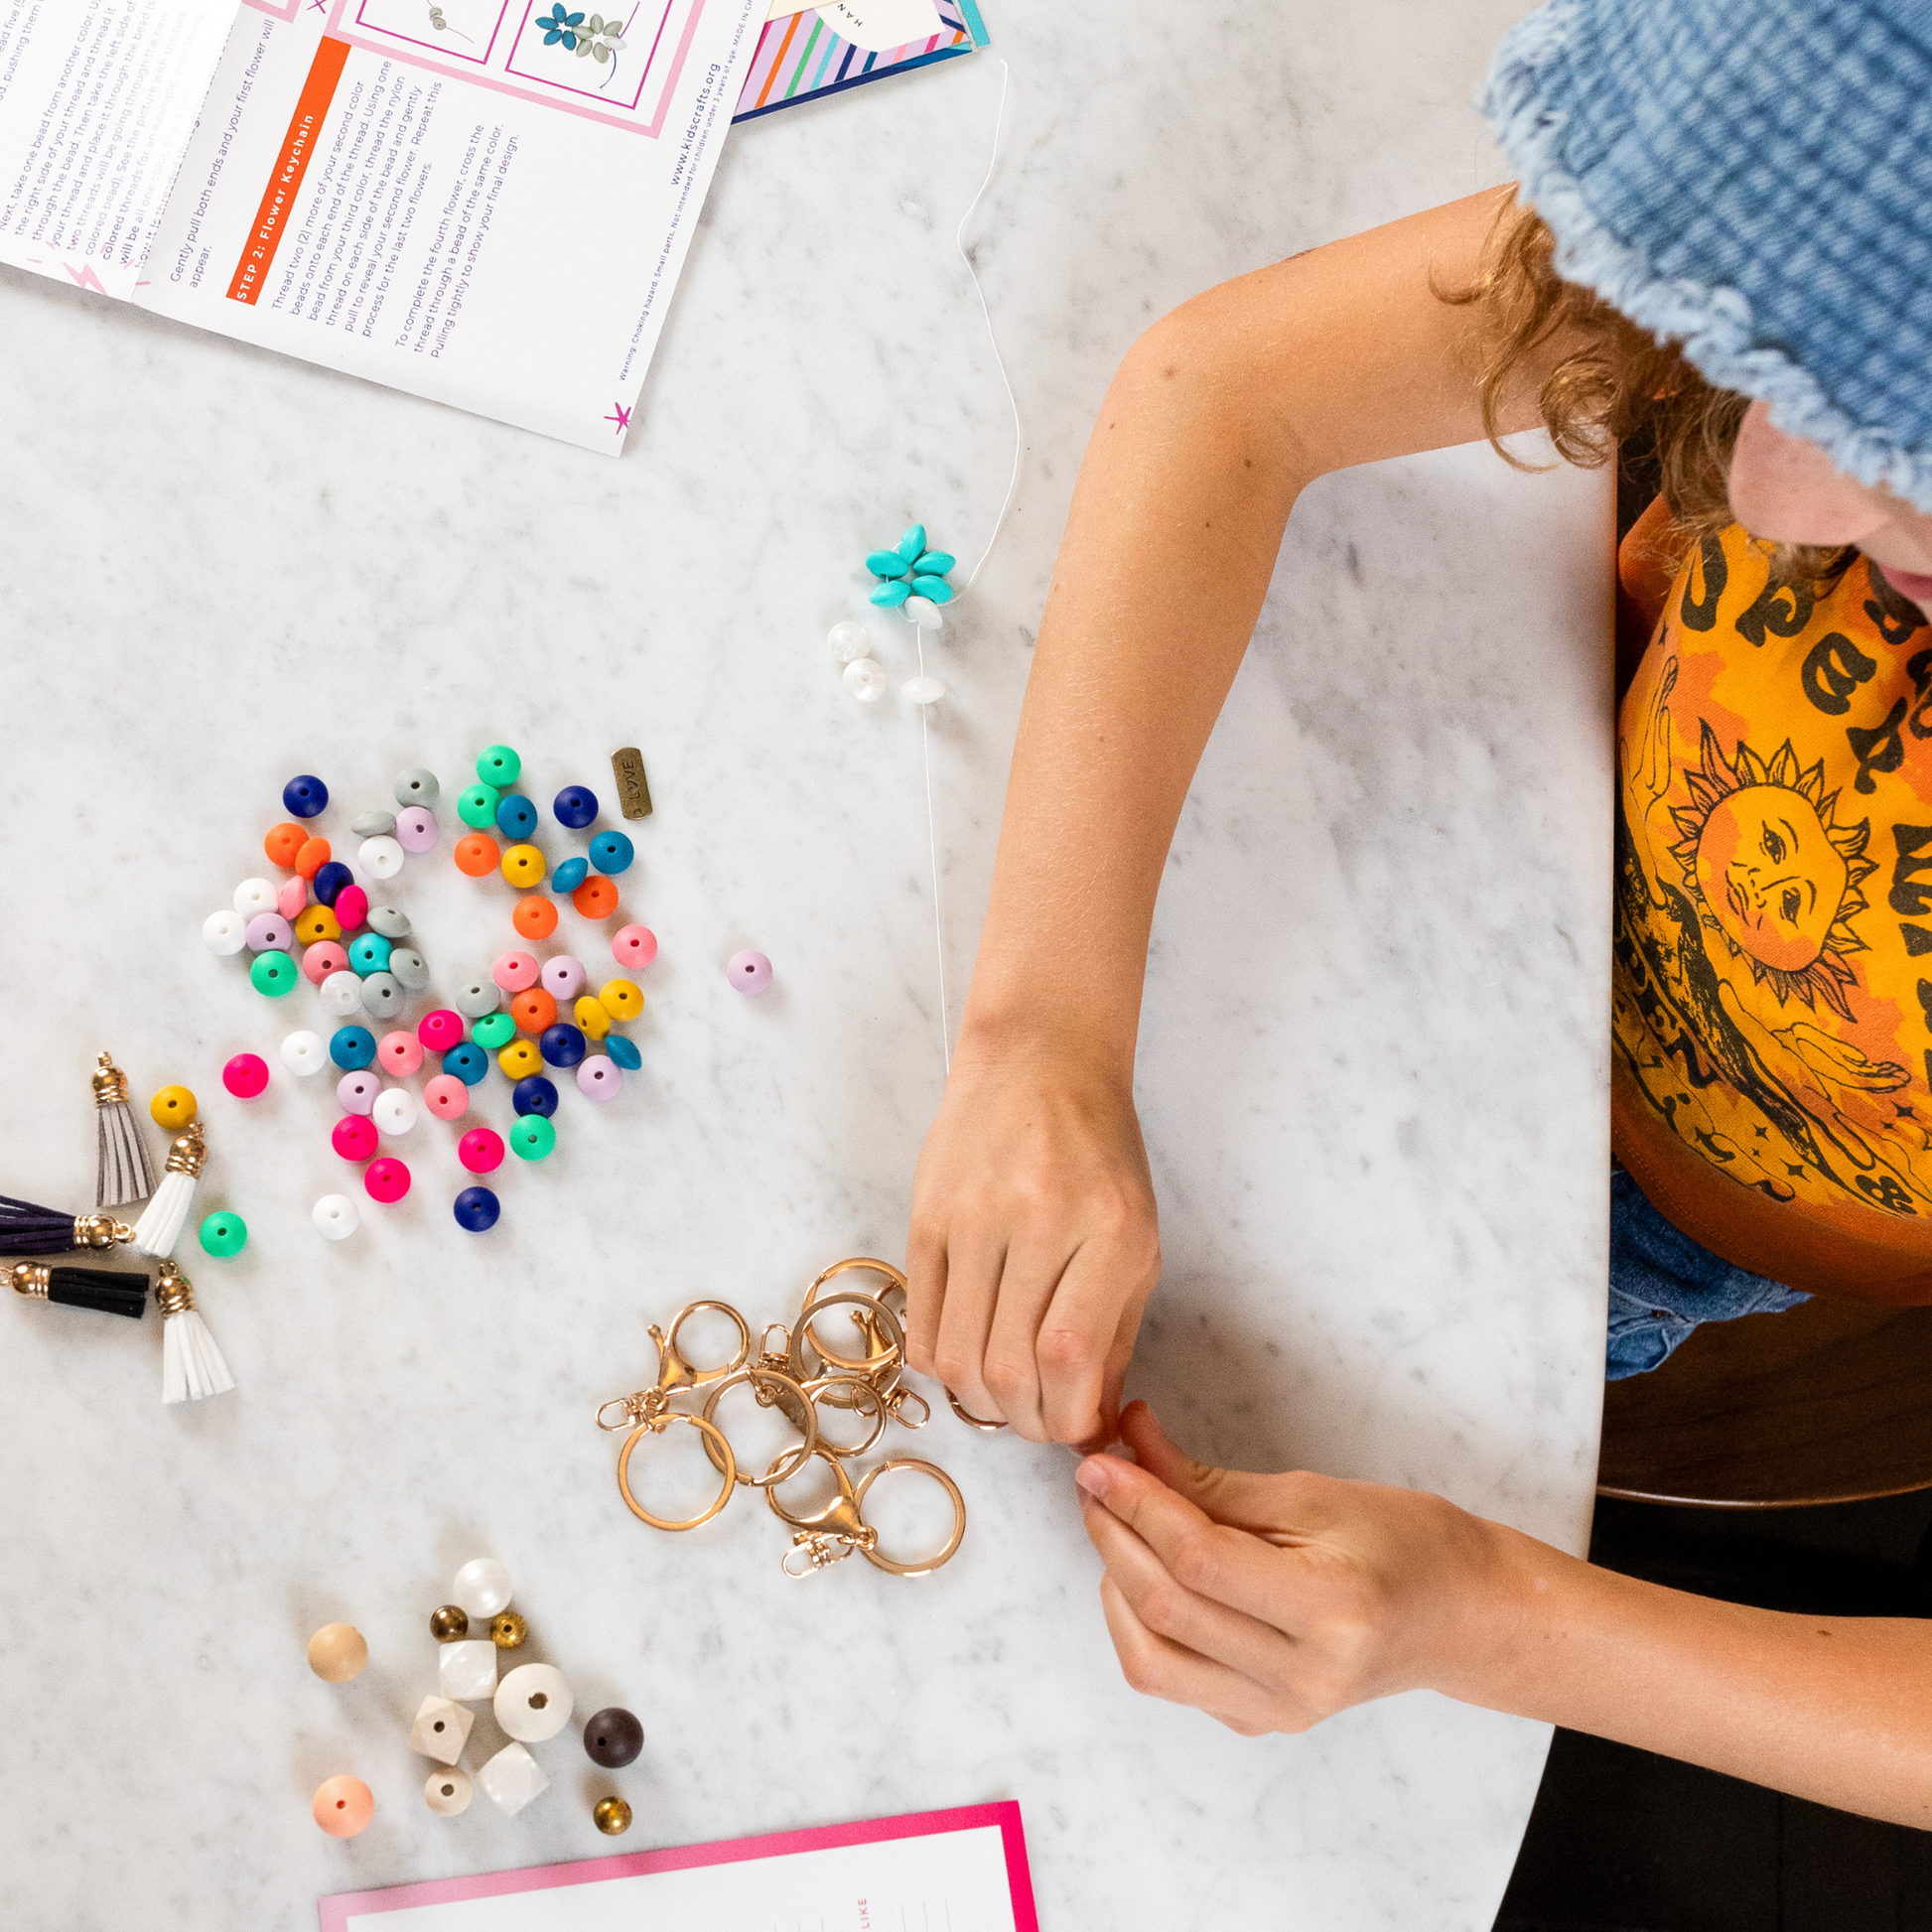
(1663,1284)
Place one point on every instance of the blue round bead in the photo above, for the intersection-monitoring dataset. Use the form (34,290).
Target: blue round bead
(477,1209)
(562,1044)
(330,881)
(351,1048)
(535,1095)
(516,817)
(611,852)
(368,952)
(304,797)
(575,806)
(622,1051)
(468,1061)
(570,875)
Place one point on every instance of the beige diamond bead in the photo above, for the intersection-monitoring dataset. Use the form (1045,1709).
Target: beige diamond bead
(441,1730)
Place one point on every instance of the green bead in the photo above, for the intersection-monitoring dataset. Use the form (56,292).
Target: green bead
(498,765)
(492,1030)
(532,1136)
(223,1235)
(476,807)
(273,973)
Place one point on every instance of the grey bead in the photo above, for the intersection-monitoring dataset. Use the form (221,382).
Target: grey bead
(373,825)
(386,920)
(408,965)
(417,788)
(474,998)
(382,995)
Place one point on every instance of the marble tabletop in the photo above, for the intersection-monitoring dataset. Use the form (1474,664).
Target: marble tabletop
(1372,1070)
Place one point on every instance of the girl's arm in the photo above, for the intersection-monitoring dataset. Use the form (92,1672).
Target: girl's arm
(1271,1602)
(1033,1246)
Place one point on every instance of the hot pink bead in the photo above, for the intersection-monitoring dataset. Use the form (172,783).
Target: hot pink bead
(357,1091)
(514,971)
(598,1077)
(354,1137)
(294,896)
(245,1075)
(440,1031)
(322,959)
(446,1097)
(481,1150)
(564,977)
(386,1179)
(633,945)
(400,1053)
(415,829)
(269,932)
(351,908)
(750,972)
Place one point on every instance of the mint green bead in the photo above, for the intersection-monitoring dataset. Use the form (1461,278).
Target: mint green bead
(273,973)
(223,1235)
(476,806)
(492,1030)
(936,589)
(935,563)
(912,547)
(886,563)
(498,765)
(532,1136)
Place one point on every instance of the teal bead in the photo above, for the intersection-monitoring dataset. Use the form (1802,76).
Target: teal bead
(611,852)
(570,875)
(912,544)
(476,806)
(498,765)
(492,1030)
(223,1235)
(889,595)
(886,563)
(532,1138)
(368,952)
(935,563)
(935,587)
(622,1051)
(274,973)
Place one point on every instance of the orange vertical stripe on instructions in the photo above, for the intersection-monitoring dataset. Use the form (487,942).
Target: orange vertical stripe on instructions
(291,164)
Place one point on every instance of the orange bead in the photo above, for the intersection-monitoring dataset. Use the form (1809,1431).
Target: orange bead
(342,1806)
(477,854)
(312,858)
(533,1010)
(535,918)
(283,841)
(596,897)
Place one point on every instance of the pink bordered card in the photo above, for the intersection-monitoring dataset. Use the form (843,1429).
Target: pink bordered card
(960,1870)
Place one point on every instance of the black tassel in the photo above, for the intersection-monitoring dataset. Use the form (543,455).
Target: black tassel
(29,1230)
(99,1288)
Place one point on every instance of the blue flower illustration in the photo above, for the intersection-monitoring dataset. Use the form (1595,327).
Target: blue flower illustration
(560,26)
(910,569)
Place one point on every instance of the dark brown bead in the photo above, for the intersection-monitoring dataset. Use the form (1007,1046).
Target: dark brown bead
(614,1737)
(448,1623)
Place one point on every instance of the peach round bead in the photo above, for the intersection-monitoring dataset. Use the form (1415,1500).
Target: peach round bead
(337,1652)
(513,971)
(343,1806)
(535,918)
(446,1097)
(322,959)
(293,896)
(635,946)
(564,977)
(402,1053)
(312,858)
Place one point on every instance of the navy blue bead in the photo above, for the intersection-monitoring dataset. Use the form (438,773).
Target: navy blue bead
(575,806)
(535,1095)
(477,1209)
(562,1044)
(570,875)
(611,852)
(516,817)
(304,797)
(330,881)
(622,1051)
(468,1061)
(352,1047)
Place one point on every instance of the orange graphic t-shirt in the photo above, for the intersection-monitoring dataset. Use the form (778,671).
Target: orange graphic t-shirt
(1772,980)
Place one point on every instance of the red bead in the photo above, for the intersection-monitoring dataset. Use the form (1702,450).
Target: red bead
(481,1150)
(386,1179)
(354,1138)
(245,1075)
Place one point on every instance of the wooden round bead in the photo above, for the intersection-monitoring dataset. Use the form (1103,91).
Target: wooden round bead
(448,1791)
(532,1703)
(596,897)
(450,1623)
(612,1816)
(614,1737)
(343,1806)
(337,1652)
(535,918)
(476,855)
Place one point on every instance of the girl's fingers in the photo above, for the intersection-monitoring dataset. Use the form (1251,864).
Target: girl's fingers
(1157,1667)
(925,1294)
(973,1269)
(1079,1340)
(1029,1286)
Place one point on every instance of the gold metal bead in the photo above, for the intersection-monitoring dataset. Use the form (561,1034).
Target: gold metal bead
(507,1630)
(613,1816)
(448,1623)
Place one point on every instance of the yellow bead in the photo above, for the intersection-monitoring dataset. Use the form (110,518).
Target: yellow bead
(315,923)
(173,1108)
(519,1059)
(613,1816)
(523,866)
(337,1652)
(593,1016)
(622,1000)
(507,1630)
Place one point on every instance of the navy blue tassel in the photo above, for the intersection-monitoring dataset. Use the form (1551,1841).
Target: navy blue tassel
(29,1230)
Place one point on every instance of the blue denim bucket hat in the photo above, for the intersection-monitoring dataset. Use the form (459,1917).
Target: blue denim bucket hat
(1753,180)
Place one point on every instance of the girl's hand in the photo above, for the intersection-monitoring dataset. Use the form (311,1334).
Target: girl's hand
(1033,1244)
(1273,1602)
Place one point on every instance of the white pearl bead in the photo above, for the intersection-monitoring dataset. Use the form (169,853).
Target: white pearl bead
(533,1703)
(864,680)
(923,690)
(304,1053)
(379,858)
(395,1111)
(256,895)
(224,932)
(342,994)
(924,612)
(481,1587)
(449,1792)
(513,1778)
(337,1218)
(467,1671)
(849,640)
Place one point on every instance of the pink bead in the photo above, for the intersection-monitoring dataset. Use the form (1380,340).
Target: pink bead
(357,1091)
(440,1031)
(269,932)
(322,959)
(245,1075)
(750,972)
(386,1179)
(415,829)
(400,1053)
(354,1137)
(481,1150)
(633,945)
(294,896)
(564,977)
(342,1806)
(351,908)
(599,1077)
(514,971)
(446,1097)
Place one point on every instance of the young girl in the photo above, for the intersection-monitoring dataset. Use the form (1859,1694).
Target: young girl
(1726,250)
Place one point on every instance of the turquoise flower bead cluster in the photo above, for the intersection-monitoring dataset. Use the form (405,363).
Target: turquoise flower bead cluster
(910,569)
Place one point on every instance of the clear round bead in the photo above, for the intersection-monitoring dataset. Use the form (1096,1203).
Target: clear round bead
(849,641)
(864,680)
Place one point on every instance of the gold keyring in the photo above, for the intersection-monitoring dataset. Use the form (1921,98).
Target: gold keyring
(798,1455)
(677,1370)
(863,1392)
(875,1557)
(895,1279)
(966,1415)
(890,1361)
(655,1426)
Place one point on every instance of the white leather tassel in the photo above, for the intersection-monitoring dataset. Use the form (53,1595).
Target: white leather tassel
(124,1174)
(164,1218)
(191,1365)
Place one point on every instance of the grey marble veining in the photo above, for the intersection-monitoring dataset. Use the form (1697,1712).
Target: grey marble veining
(1372,1070)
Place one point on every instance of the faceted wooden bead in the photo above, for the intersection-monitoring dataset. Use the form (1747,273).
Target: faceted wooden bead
(441,1730)
(337,1652)
(507,1630)
(612,1816)
(448,1623)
